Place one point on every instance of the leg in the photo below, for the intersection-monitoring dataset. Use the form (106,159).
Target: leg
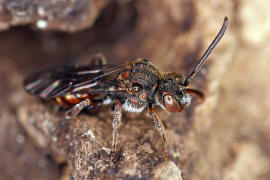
(161,130)
(116,124)
(75,110)
(98,60)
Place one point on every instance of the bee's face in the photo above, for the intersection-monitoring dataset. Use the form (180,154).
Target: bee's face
(171,92)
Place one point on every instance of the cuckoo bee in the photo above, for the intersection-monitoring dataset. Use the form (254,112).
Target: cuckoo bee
(131,86)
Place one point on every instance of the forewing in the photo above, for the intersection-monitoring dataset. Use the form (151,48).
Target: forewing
(50,83)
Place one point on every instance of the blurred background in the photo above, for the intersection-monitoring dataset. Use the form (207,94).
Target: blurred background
(225,137)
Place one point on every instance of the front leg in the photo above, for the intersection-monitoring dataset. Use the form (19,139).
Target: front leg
(116,123)
(161,130)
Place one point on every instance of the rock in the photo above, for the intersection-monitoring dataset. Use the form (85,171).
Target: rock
(19,157)
(64,15)
(167,171)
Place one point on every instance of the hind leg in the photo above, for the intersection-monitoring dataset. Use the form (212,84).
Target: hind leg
(75,110)
(98,60)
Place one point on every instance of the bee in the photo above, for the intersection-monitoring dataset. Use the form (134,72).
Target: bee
(131,86)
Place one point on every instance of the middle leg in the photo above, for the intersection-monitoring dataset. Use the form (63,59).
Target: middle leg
(116,123)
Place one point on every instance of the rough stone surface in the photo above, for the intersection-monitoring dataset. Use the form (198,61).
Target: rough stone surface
(220,138)
(50,14)
(167,170)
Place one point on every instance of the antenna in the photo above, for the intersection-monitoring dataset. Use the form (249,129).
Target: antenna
(207,52)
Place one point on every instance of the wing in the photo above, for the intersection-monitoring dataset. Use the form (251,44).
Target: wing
(50,83)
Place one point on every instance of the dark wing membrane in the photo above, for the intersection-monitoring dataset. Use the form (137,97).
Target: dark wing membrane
(50,83)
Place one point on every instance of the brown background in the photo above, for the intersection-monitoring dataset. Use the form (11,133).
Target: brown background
(225,137)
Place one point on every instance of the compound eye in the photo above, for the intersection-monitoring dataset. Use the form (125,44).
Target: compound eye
(137,88)
(170,103)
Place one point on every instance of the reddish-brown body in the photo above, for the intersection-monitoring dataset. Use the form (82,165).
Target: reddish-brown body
(70,100)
